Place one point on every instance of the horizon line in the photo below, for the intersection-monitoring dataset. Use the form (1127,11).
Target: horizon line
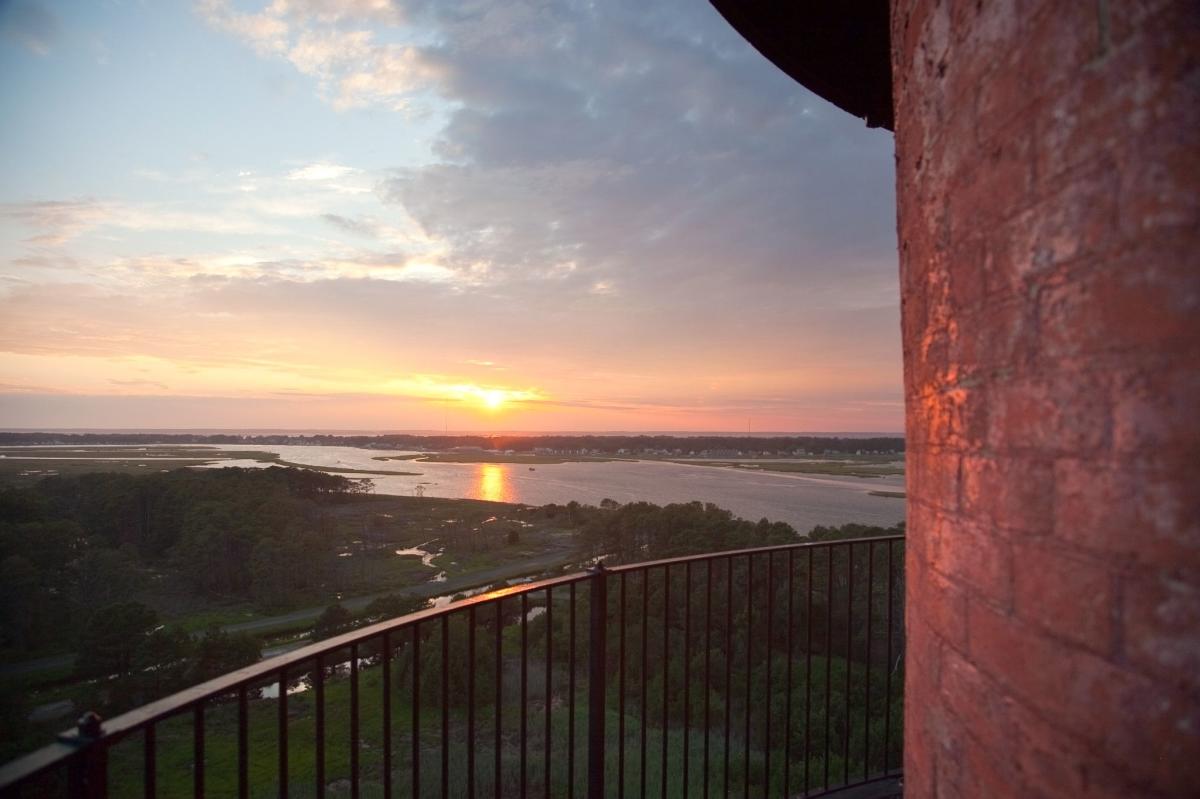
(441,433)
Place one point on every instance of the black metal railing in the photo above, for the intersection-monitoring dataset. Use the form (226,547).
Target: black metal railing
(761,672)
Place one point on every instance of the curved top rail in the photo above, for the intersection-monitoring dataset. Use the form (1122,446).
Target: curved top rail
(737,553)
(70,741)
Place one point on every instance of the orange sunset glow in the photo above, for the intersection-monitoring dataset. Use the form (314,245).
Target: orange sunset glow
(348,229)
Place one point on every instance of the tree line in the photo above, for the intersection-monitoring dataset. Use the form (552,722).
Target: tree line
(606,444)
(71,546)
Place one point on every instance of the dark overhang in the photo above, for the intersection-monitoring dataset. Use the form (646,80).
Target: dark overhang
(838,49)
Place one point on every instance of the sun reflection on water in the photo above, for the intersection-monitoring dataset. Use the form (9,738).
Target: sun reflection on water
(493,484)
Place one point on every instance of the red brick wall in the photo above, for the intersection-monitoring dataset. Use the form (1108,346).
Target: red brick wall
(1047,172)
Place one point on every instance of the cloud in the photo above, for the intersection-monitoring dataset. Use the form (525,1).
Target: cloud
(139,384)
(29,24)
(59,221)
(650,149)
(266,32)
(359,227)
(320,171)
(351,68)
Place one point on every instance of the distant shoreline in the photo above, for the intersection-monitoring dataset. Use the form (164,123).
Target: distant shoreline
(710,445)
(350,432)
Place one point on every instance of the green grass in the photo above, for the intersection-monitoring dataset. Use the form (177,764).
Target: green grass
(484,456)
(344,470)
(23,466)
(840,468)
(174,739)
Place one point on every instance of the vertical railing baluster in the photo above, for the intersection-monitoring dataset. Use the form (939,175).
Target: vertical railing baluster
(644,671)
(598,635)
(445,705)
(791,656)
(707,669)
(749,672)
(198,750)
(867,711)
(149,763)
(354,782)
(416,711)
(828,652)
(687,677)
(621,698)
(524,690)
(849,658)
(283,734)
(386,710)
(571,703)
(549,689)
(887,678)
(319,725)
(770,652)
(808,621)
(499,731)
(243,744)
(471,702)
(728,662)
(666,663)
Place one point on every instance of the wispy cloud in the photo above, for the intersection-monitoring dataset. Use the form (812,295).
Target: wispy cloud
(58,221)
(320,171)
(359,227)
(351,68)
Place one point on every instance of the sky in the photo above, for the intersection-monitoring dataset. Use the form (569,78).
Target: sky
(450,214)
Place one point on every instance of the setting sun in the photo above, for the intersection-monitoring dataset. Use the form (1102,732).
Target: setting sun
(492,399)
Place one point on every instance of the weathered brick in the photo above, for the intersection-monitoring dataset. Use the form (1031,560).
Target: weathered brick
(998,183)
(1154,410)
(1134,513)
(955,420)
(1141,727)
(1050,244)
(939,603)
(1027,415)
(976,557)
(1057,42)
(1123,308)
(934,476)
(1012,493)
(1161,620)
(922,654)
(1069,596)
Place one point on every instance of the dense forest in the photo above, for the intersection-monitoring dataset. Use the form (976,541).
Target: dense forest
(605,444)
(71,546)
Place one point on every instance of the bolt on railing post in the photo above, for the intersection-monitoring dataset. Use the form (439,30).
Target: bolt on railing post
(597,639)
(88,773)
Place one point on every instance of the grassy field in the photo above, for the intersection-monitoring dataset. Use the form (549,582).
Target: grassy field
(344,470)
(500,457)
(858,467)
(22,466)
(175,742)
